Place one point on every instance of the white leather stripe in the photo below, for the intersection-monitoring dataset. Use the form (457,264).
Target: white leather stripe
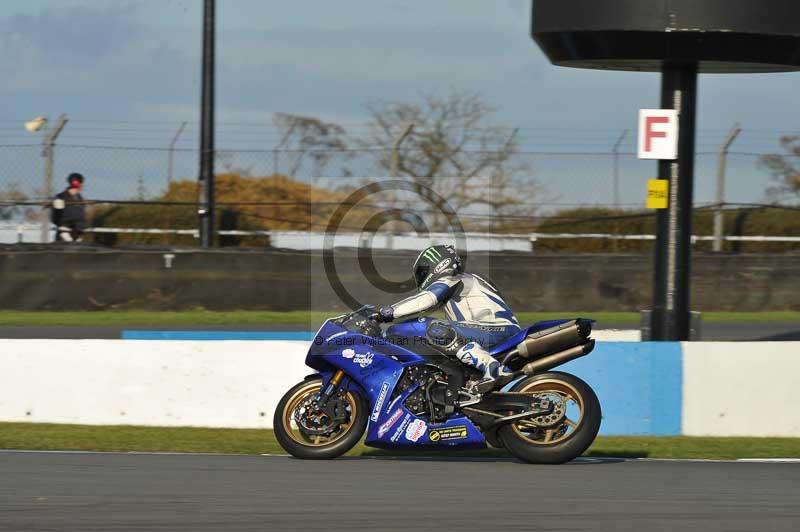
(415,304)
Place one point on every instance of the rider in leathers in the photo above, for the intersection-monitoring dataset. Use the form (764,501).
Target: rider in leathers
(477,316)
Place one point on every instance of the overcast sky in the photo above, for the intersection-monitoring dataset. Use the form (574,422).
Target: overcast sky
(139,60)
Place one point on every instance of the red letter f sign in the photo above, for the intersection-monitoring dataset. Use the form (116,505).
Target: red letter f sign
(658,134)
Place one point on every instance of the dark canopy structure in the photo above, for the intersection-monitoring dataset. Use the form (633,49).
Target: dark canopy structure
(679,38)
(720,36)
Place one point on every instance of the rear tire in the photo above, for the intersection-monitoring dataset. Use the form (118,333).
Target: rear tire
(565,440)
(311,447)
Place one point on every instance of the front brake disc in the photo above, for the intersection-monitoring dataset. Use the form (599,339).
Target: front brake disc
(315,421)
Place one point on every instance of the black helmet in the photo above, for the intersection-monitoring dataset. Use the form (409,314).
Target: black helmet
(435,262)
(74,177)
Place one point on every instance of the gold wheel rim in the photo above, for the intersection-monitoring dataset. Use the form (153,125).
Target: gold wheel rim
(293,430)
(560,432)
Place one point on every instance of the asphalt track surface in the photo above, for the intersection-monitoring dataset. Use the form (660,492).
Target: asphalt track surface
(777,331)
(114,492)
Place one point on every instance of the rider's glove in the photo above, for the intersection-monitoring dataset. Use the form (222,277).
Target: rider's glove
(386,314)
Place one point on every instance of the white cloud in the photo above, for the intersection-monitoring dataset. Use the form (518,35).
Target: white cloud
(112,63)
(75,34)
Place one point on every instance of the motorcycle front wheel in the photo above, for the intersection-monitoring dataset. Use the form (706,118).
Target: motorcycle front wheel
(565,433)
(308,430)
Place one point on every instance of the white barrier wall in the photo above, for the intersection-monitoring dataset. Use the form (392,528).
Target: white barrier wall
(617,335)
(166,383)
(741,389)
(726,388)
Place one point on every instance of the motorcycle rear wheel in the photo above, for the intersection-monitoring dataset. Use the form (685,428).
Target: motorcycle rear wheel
(569,435)
(301,444)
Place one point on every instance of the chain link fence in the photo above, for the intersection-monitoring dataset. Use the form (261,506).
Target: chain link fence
(132,181)
(563,178)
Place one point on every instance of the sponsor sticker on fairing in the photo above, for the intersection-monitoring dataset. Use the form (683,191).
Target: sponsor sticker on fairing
(379,403)
(458,432)
(348,353)
(401,428)
(363,360)
(383,429)
(415,430)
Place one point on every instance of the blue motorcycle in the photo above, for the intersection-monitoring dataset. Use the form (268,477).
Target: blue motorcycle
(406,394)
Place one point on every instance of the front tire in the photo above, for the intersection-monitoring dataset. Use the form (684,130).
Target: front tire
(558,438)
(309,433)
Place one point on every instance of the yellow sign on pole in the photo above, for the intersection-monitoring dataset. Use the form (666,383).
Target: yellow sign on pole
(657,193)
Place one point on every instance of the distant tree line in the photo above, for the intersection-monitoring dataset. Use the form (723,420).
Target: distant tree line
(278,202)
(750,221)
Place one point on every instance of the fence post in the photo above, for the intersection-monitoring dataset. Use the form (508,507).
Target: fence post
(48,143)
(171,158)
(615,152)
(721,167)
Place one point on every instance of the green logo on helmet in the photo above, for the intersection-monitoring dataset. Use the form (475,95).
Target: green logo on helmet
(432,254)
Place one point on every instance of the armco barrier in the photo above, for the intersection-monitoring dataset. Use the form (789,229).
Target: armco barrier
(715,389)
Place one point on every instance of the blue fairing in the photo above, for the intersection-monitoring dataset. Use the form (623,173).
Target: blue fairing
(409,329)
(374,366)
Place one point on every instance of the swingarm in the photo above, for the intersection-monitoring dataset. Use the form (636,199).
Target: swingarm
(502,408)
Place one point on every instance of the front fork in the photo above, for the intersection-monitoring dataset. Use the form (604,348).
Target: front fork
(338,381)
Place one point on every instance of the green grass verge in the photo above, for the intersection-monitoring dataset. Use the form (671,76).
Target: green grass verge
(36,436)
(787,316)
(162,318)
(141,318)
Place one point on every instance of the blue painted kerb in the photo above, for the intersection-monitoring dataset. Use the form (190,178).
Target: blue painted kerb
(639,384)
(218,335)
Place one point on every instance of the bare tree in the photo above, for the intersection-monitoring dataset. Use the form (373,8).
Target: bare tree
(453,151)
(227,159)
(303,136)
(12,203)
(785,169)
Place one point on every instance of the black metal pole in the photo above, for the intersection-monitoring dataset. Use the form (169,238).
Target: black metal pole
(206,203)
(670,319)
